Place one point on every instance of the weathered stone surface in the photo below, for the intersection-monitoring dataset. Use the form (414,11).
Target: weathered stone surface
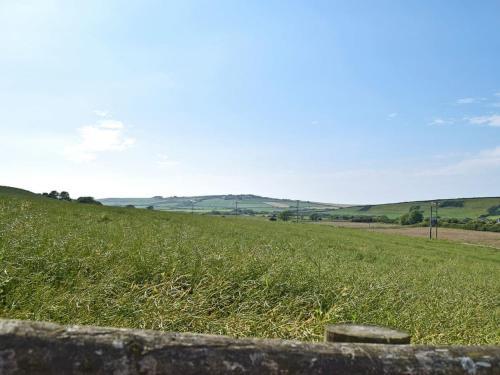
(45,348)
(365,334)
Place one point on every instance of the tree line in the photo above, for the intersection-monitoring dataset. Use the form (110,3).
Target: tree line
(64,196)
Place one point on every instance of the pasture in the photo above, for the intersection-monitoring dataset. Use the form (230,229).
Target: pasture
(74,263)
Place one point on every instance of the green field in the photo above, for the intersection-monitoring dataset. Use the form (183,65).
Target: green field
(222,203)
(75,263)
(473,208)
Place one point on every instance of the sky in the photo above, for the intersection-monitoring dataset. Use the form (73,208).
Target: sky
(333,101)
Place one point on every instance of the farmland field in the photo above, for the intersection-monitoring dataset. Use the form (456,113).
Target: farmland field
(222,203)
(472,208)
(74,263)
(459,235)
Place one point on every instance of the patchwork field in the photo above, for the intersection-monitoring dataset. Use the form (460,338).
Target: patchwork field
(75,263)
(472,208)
(222,203)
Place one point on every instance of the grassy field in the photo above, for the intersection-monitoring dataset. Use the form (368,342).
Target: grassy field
(74,263)
(222,203)
(473,208)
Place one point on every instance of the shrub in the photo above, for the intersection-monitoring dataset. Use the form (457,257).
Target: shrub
(494,210)
(285,215)
(315,216)
(412,217)
(88,200)
(452,203)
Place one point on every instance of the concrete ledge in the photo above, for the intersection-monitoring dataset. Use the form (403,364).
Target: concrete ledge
(45,348)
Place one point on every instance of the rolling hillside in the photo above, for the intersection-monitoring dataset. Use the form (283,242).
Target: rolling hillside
(76,263)
(222,203)
(470,207)
(456,208)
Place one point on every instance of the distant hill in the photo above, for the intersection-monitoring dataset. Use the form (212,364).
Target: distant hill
(457,207)
(221,203)
(449,208)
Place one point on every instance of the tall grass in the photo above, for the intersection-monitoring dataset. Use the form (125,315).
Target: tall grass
(73,263)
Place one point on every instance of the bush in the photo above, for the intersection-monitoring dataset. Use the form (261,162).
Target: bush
(285,215)
(413,217)
(315,216)
(494,210)
(88,200)
(452,203)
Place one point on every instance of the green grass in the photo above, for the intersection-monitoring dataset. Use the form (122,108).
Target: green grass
(74,263)
(216,202)
(473,208)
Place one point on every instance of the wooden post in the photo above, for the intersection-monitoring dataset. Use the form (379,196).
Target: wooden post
(437,220)
(365,334)
(430,225)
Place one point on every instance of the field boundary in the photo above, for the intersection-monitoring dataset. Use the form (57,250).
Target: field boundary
(39,347)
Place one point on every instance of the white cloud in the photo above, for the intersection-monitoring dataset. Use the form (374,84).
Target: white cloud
(105,136)
(164,161)
(101,113)
(470,100)
(492,120)
(392,115)
(440,122)
(474,163)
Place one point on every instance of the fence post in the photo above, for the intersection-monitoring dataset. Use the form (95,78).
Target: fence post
(365,334)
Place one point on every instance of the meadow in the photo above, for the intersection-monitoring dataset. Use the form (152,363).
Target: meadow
(222,203)
(472,208)
(83,264)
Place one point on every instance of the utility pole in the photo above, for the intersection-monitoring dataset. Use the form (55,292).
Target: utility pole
(236,203)
(192,207)
(297,210)
(437,204)
(430,225)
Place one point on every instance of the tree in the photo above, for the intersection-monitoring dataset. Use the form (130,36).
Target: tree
(64,195)
(150,208)
(285,215)
(413,217)
(53,194)
(88,200)
(315,216)
(130,206)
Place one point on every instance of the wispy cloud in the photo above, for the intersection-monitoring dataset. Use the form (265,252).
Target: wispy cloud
(164,161)
(392,115)
(491,120)
(104,136)
(473,163)
(101,113)
(470,100)
(438,121)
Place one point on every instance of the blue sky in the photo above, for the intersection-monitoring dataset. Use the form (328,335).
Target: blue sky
(338,101)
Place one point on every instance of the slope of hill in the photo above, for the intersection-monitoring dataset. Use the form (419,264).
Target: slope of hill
(456,208)
(222,203)
(85,264)
(7,191)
